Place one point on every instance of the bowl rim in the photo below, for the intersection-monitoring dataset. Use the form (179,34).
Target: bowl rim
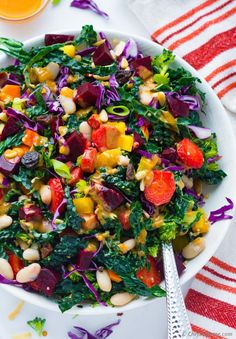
(43,302)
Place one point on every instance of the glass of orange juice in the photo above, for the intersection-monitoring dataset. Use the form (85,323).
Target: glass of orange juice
(20,9)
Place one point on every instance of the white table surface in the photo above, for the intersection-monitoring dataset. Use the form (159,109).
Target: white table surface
(148,322)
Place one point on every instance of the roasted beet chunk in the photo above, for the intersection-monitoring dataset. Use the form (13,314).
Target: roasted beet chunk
(10,128)
(110,198)
(46,282)
(177,107)
(51,39)
(142,67)
(30,212)
(84,259)
(77,144)
(87,95)
(10,166)
(102,56)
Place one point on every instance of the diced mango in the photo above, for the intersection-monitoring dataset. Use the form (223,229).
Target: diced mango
(30,138)
(84,205)
(69,50)
(126,142)
(202,225)
(121,126)
(43,74)
(108,158)
(148,164)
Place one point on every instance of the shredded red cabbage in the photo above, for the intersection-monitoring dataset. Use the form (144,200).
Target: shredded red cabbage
(192,101)
(101,333)
(92,289)
(145,154)
(112,81)
(58,212)
(6,281)
(27,122)
(87,51)
(114,117)
(130,50)
(54,107)
(174,168)
(213,159)
(100,96)
(63,75)
(200,132)
(89,4)
(220,214)
(147,206)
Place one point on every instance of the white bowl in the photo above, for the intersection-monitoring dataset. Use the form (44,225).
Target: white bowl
(218,120)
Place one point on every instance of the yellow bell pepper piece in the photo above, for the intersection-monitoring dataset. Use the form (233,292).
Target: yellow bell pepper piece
(126,142)
(84,205)
(108,158)
(69,50)
(168,118)
(148,164)
(121,126)
(202,225)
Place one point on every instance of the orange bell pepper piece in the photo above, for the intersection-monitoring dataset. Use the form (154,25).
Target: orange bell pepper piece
(30,138)
(11,91)
(113,276)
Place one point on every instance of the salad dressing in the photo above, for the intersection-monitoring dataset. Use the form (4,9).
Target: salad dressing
(19,9)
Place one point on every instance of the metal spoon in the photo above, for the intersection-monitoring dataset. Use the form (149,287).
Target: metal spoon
(178,323)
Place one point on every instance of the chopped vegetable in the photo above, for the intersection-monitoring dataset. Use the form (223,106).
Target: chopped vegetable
(37,324)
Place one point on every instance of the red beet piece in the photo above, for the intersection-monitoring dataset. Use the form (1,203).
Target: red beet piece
(46,282)
(87,95)
(142,67)
(10,128)
(84,259)
(9,166)
(111,198)
(30,212)
(77,144)
(51,39)
(102,56)
(177,107)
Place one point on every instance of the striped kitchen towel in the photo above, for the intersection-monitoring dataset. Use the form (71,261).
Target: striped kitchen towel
(202,32)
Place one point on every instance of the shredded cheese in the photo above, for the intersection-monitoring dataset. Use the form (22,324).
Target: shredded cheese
(16,311)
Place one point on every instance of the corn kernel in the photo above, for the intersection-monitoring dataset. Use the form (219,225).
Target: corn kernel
(65,117)
(140,175)
(141,239)
(123,248)
(78,58)
(157,221)
(69,50)
(10,154)
(124,63)
(99,42)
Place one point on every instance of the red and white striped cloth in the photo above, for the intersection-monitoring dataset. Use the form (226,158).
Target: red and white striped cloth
(202,32)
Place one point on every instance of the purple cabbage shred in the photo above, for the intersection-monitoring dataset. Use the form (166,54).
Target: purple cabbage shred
(101,333)
(221,214)
(89,4)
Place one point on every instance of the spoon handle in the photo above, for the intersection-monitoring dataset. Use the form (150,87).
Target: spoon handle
(178,322)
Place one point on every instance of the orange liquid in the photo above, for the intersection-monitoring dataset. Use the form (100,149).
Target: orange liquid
(19,9)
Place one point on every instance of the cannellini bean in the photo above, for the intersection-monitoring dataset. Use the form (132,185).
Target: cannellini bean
(54,69)
(103,280)
(85,129)
(45,194)
(5,221)
(103,116)
(188,182)
(5,269)
(127,245)
(28,273)
(119,48)
(121,299)
(31,254)
(67,104)
(194,248)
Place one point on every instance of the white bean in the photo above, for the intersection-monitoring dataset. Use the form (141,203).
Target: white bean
(31,254)
(123,160)
(5,221)
(54,69)
(67,104)
(5,269)
(103,280)
(187,181)
(28,273)
(86,130)
(194,248)
(121,299)
(45,194)
(127,245)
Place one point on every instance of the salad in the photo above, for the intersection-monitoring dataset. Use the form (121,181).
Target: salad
(102,157)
